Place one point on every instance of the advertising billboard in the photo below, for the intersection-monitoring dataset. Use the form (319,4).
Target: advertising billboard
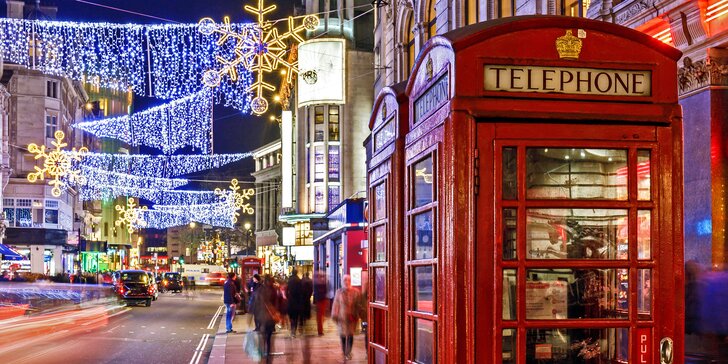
(321,64)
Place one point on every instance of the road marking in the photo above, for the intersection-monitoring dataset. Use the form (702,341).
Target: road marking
(214,317)
(113,328)
(200,348)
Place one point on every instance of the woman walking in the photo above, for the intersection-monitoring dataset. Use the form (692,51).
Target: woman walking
(345,314)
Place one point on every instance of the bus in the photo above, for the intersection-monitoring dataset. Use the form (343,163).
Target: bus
(199,272)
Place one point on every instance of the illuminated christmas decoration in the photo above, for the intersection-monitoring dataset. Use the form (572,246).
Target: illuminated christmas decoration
(164,216)
(237,199)
(57,164)
(173,197)
(165,166)
(164,61)
(260,49)
(169,127)
(131,215)
(96,177)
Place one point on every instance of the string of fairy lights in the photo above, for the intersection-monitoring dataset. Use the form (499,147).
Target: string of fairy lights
(194,66)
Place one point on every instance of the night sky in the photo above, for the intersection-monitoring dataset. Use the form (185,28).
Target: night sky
(234,132)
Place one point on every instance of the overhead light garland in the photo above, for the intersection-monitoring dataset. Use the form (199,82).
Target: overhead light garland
(166,166)
(96,177)
(169,127)
(57,164)
(165,216)
(237,199)
(261,50)
(131,215)
(173,197)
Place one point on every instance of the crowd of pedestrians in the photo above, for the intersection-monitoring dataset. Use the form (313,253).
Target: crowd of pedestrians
(278,304)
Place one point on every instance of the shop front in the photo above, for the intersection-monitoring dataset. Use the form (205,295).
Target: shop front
(45,250)
(517,167)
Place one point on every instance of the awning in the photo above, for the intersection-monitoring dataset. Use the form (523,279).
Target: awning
(9,254)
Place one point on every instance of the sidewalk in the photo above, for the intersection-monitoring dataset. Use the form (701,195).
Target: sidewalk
(309,348)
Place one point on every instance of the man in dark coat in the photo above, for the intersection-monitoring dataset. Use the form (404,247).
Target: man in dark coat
(307,285)
(294,293)
(229,301)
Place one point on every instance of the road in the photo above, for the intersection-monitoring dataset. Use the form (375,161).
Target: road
(175,329)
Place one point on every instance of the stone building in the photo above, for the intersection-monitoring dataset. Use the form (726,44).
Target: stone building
(268,205)
(330,106)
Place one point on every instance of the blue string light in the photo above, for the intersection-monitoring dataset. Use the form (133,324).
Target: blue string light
(165,166)
(164,216)
(165,197)
(164,61)
(97,177)
(169,127)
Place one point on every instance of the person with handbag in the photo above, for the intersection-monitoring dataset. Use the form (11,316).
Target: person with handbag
(345,314)
(229,293)
(266,315)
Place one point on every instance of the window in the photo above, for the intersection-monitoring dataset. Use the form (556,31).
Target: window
(471,12)
(421,259)
(576,8)
(334,197)
(51,212)
(319,199)
(410,45)
(333,163)
(506,8)
(432,20)
(334,123)
(319,164)
(52,89)
(318,119)
(51,125)
(23,213)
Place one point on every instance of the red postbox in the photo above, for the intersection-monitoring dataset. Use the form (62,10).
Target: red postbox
(532,202)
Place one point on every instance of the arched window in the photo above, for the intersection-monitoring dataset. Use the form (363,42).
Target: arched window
(410,43)
(431,20)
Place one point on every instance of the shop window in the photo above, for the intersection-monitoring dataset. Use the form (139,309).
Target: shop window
(51,126)
(51,216)
(23,213)
(334,165)
(334,123)
(318,124)
(9,213)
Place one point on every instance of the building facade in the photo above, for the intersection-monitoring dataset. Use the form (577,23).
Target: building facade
(329,109)
(267,208)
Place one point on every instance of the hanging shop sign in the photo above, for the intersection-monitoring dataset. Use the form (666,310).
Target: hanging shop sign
(567,80)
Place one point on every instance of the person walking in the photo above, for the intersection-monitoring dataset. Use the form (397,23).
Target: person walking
(229,301)
(253,285)
(307,288)
(321,299)
(345,314)
(265,313)
(294,293)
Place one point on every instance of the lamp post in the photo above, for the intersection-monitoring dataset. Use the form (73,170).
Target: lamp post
(192,236)
(247,227)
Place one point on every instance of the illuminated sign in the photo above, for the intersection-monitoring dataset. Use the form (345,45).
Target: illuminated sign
(289,236)
(287,159)
(567,80)
(321,66)
(432,99)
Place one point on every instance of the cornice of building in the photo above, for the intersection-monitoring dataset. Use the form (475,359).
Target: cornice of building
(711,71)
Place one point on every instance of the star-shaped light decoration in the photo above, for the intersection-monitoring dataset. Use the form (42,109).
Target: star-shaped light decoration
(131,215)
(57,164)
(237,199)
(260,49)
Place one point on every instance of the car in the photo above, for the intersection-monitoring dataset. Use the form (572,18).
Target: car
(216,278)
(135,286)
(155,285)
(172,282)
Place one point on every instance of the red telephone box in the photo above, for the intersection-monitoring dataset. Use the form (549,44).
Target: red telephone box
(528,227)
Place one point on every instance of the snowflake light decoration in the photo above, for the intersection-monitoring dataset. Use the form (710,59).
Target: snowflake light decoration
(260,49)
(57,164)
(131,215)
(237,199)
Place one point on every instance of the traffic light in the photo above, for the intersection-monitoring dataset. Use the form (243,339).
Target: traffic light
(233,263)
(181,259)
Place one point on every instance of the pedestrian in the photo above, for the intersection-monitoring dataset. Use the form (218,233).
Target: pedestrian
(266,315)
(229,301)
(321,299)
(281,302)
(294,293)
(252,288)
(345,314)
(307,286)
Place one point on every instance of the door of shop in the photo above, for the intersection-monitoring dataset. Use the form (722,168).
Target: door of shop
(583,254)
